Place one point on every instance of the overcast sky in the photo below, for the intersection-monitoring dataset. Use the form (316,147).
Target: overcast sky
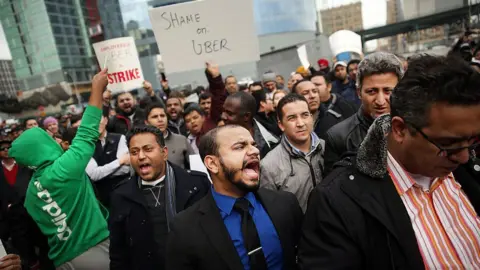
(4,51)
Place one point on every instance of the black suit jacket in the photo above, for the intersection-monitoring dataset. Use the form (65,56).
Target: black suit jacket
(355,221)
(199,239)
(132,243)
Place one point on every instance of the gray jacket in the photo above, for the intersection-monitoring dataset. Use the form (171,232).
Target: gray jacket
(178,150)
(285,169)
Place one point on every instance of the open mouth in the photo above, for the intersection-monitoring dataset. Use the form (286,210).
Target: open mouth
(145,168)
(252,169)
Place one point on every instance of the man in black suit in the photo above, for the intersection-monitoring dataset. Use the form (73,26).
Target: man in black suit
(143,207)
(237,225)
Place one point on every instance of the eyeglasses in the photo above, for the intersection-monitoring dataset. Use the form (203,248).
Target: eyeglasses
(473,142)
(5,148)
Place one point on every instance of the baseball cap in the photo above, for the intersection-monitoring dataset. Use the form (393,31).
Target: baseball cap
(339,63)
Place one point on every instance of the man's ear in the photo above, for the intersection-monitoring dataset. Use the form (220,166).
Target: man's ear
(212,164)
(165,153)
(399,129)
(247,116)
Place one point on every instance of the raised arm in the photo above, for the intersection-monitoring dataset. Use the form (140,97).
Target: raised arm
(74,161)
(217,88)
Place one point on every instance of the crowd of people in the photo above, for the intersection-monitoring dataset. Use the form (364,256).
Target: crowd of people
(369,165)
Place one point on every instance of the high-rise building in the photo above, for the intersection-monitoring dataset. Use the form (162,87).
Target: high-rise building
(345,17)
(280,16)
(8,82)
(48,40)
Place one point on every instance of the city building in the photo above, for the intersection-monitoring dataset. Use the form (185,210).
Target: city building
(348,17)
(105,22)
(431,37)
(8,82)
(49,42)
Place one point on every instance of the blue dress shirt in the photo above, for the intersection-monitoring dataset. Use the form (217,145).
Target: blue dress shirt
(271,246)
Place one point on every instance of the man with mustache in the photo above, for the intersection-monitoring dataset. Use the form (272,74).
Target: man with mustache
(377,76)
(143,207)
(237,225)
(129,114)
(410,197)
(176,123)
(296,164)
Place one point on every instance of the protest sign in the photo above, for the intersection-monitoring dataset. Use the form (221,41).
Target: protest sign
(345,41)
(196,164)
(302,55)
(190,34)
(120,56)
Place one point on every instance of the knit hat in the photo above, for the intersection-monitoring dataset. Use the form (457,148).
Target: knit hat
(322,63)
(49,120)
(269,77)
(303,71)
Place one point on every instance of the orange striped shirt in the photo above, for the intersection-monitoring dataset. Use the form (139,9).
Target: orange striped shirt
(445,223)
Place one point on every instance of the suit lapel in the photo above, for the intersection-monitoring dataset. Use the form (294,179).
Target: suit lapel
(381,200)
(213,226)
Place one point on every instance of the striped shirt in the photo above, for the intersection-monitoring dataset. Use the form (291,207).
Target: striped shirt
(445,223)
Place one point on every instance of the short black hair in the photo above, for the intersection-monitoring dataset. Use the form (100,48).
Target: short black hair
(154,105)
(146,129)
(193,108)
(351,62)
(208,143)
(259,96)
(176,94)
(69,135)
(294,87)
(290,98)
(228,77)
(433,79)
(257,83)
(115,97)
(247,103)
(204,96)
(321,74)
(75,118)
(28,119)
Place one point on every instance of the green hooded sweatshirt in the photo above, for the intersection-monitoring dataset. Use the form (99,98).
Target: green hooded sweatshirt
(60,197)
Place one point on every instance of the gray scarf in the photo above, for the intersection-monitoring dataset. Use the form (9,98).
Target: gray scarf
(170,197)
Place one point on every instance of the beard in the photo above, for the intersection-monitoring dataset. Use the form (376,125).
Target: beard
(230,176)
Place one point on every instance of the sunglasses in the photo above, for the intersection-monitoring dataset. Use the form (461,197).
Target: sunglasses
(473,142)
(5,148)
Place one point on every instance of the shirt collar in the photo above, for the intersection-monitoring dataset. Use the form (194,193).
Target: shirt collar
(154,183)
(404,180)
(315,141)
(225,203)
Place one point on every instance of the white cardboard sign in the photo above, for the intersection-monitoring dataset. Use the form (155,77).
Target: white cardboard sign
(190,34)
(302,55)
(345,41)
(196,164)
(120,56)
